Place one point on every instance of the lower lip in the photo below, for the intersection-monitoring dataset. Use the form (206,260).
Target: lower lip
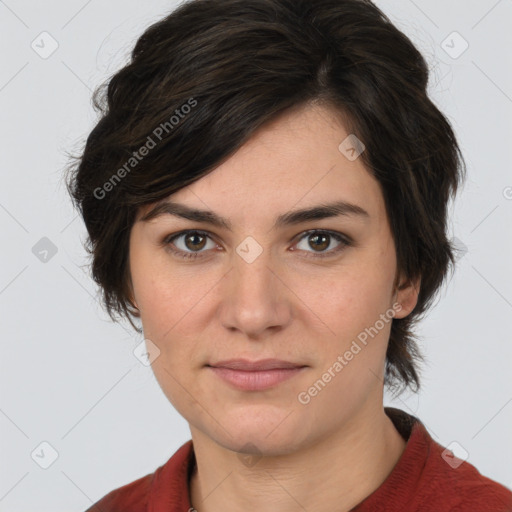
(255,380)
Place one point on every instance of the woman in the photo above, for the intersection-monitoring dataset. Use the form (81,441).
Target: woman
(267,191)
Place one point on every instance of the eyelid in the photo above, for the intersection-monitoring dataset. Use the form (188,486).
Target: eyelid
(342,238)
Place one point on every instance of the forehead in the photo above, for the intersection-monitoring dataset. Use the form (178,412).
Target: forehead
(293,162)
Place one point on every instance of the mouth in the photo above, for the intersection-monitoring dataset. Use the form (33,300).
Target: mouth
(255,375)
(251,366)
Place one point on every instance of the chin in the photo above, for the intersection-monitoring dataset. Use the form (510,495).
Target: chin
(258,444)
(264,433)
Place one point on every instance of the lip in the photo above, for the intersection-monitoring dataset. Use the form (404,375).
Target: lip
(252,366)
(255,375)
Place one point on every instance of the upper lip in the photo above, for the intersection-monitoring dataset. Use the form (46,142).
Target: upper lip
(262,364)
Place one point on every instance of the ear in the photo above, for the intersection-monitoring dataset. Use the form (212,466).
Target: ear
(406,294)
(132,302)
(131,294)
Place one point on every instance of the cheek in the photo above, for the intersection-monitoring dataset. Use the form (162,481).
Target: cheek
(164,292)
(351,305)
(350,299)
(175,308)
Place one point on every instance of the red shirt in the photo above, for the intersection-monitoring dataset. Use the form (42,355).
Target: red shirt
(426,478)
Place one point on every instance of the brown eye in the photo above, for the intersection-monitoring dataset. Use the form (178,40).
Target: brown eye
(192,241)
(320,241)
(188,244)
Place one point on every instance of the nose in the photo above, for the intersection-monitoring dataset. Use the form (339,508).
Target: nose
(255,298)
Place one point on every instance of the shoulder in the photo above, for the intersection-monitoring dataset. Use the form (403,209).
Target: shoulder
(467,489)
(132,497)
(167,484)
(430,478)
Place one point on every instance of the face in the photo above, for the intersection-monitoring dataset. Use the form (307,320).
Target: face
(317,293)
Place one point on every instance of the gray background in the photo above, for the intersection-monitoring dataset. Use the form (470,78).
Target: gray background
(68,376)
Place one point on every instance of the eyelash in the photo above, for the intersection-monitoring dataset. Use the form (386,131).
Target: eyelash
(343,239)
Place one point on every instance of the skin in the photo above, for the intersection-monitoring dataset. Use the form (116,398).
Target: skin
(289,304)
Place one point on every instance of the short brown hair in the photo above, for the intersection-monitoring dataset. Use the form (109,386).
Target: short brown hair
(203,79)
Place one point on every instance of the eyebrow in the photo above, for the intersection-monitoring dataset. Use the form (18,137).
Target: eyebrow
(321,211)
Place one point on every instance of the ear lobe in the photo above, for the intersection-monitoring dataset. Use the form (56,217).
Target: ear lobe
(132,301)
(131,294)
(406,294)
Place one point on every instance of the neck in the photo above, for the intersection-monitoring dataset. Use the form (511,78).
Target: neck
(334,474)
